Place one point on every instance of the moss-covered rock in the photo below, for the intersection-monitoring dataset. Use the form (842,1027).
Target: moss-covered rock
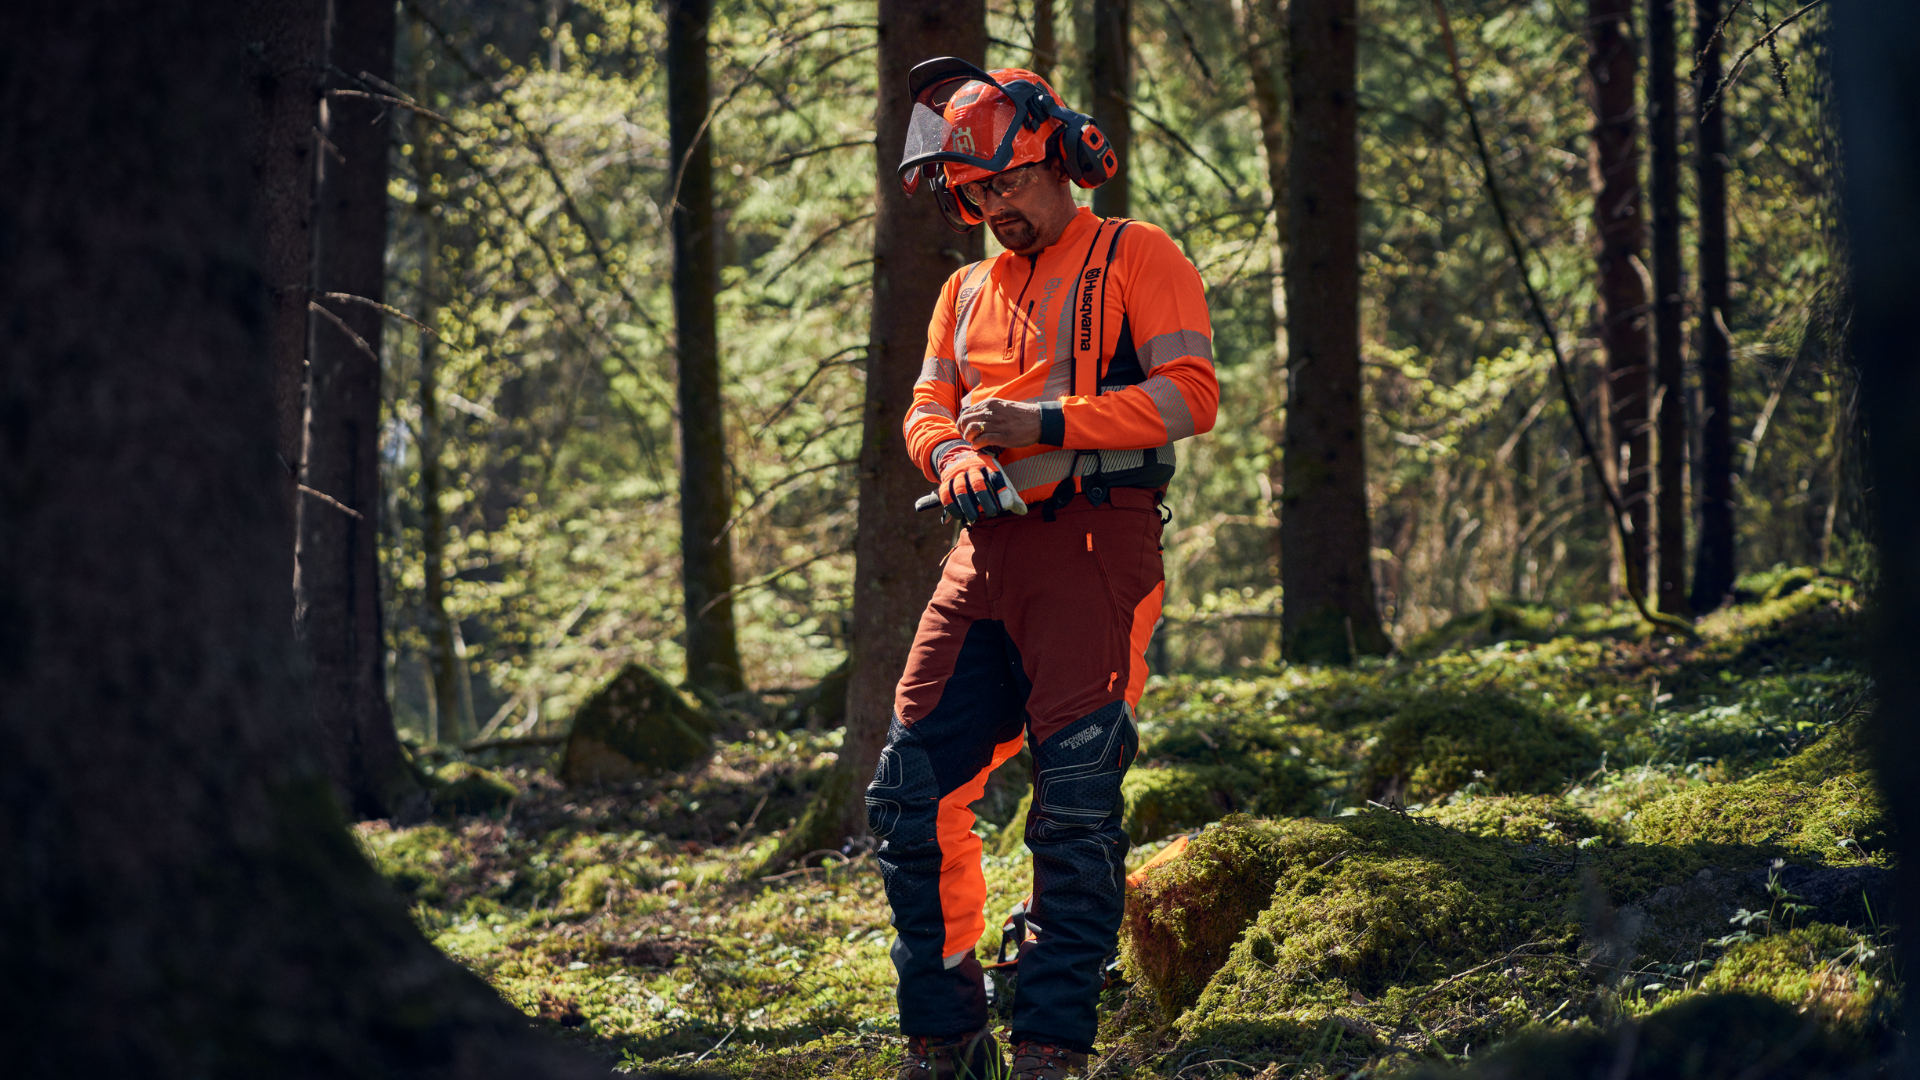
(638,725)
(466,788)
(1523,819)
(1442,741)
(1182,921)
(1366,907)
(1708,1037)
(1840,820)
(1829,972)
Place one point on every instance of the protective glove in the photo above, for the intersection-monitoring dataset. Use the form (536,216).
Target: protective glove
(971,485)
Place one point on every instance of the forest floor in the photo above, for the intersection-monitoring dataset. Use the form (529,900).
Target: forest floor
(1546,831)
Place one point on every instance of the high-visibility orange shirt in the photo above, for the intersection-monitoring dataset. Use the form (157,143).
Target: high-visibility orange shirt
(1084,315)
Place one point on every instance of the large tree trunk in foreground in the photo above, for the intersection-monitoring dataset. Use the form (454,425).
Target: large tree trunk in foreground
(1713,566)
(896,551)
(706,546)
(1877,77)
(1619,240)
(281,40)
(1110,71)
(339,559)
(1663,117)
(1327,608)
(181,897)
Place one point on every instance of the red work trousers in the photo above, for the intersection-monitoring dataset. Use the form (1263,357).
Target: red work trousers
(1037,631)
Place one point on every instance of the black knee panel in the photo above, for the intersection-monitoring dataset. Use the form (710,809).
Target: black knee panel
(904,794)
(1077,773)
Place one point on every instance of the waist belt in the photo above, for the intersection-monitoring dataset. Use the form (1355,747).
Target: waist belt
(1093,468)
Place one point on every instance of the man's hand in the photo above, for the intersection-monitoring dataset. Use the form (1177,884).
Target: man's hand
(1005,424)
(971,487)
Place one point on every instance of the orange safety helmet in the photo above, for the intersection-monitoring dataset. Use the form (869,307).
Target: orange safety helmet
(968,124)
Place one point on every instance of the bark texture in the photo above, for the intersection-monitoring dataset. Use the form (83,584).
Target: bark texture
(1262,25)
(1326,576)
(339,614)
(1046,46)
(1877,79)
(706,547)
(444,713)
(1713,565)
(1110,73)
(897,552)
(1619,244)
(281,42)
(181,896)
(1663,117)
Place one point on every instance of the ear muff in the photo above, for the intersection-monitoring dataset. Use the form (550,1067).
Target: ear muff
(1082,150)
(961,215)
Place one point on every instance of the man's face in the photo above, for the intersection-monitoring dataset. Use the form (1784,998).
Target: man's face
(1011,216)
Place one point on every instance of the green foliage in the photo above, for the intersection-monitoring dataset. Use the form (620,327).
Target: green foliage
(1523,819)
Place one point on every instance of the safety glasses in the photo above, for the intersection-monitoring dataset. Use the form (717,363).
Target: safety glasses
(1006,184)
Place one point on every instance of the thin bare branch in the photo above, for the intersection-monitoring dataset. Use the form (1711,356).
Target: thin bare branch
(331,501)
(393,311)
(1765,41)
(358,341)
(387,99)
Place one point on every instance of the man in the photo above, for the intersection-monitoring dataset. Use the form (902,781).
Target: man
(1064,370)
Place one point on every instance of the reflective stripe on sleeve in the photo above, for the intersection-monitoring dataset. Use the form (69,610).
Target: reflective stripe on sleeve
(938,369)
(1171,403)
(1165,347)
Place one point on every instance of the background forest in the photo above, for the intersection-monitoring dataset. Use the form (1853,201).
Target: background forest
(529,230)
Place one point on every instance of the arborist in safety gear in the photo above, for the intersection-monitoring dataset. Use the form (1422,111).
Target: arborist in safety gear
(1062,371)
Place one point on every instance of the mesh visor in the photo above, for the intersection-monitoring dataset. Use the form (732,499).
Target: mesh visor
(961,120)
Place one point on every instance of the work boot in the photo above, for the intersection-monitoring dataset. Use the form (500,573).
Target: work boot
(973,1056)
(1043,1061)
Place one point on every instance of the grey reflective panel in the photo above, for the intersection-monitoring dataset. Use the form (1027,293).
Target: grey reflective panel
(1166,347)
(1173,407)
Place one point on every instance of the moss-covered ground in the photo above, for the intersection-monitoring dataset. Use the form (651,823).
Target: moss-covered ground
(1533,834)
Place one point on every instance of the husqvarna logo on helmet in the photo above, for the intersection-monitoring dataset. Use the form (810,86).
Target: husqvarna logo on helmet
(963,141)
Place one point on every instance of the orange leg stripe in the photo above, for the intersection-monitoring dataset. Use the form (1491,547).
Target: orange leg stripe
(1144,616)
(963,889)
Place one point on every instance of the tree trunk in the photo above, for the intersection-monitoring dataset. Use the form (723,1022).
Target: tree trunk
(181,896)
(281,42)
(1663,118)
(1713,567)
(1046,45)
(1110,73)
(1877,79)
(444,703)
(339,614)
(706,547)
(1326,574)
(1262,26)
(897,552)
(1619,241)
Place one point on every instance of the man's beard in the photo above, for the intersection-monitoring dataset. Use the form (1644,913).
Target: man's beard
(1014,230)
